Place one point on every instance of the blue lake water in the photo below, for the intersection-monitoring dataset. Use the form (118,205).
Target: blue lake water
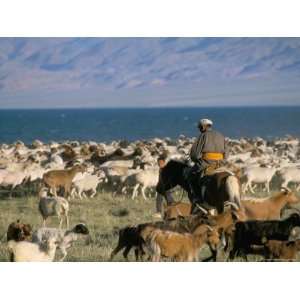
(136,124)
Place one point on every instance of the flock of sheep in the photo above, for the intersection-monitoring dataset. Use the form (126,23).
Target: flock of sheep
(59,172)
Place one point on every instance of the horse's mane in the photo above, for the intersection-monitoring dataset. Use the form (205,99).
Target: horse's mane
(175,162)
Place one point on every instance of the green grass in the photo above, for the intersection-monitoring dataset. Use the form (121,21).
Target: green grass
(104,215)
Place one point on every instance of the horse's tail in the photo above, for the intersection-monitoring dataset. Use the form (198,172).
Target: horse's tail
(233,188)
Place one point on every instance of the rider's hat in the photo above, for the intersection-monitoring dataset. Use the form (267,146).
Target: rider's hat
(204,122)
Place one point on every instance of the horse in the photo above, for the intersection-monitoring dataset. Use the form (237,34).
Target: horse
(216,189)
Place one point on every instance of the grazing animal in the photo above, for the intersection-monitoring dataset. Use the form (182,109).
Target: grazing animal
(290,174)
(53,206)
(85,184)
(29,252)
(129,237)
(282,250)
(219,188)
(64,238)
(177,209)
(258,175)
(270,208)
(257,232)
(19,231)
(62,178)
(180,246)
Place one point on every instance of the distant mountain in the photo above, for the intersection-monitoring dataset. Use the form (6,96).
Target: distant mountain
(31,65)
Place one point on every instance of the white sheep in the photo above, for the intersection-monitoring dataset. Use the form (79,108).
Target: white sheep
(31,252)
(86,184)
(64,238)
(258,175)
(290,174)
(144,179)
(51,206)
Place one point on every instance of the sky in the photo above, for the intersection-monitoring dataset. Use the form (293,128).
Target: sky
(148,72)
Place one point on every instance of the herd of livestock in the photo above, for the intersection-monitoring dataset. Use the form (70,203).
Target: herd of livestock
(58,172)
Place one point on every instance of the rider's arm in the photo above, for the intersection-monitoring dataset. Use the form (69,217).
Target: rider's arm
(196,151)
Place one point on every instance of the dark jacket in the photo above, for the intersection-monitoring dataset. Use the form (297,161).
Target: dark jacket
(208,141)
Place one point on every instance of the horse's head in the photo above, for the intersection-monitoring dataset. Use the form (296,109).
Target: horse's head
(171,175)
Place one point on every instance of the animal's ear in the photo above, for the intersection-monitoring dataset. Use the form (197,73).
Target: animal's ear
(234,216)
(220,231)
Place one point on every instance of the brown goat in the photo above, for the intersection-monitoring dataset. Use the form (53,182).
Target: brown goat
(62,178)
(181,246)
(177,209)
(283,250)
(19,232)
(270,208)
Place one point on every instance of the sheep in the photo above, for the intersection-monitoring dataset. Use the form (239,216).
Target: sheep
(19,232)
(51,206)
(269,208)
(62,178)
(290,174)
(258,175)
(65,238)
(145,178)
(85,184)
(178,246)
(250,233)
(30,252)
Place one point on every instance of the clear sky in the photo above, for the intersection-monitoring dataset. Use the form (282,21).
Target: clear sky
(147,72)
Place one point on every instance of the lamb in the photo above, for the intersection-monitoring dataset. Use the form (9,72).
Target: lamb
(30,252)
(62,178)
(178,246)
(51,206)
(65,238)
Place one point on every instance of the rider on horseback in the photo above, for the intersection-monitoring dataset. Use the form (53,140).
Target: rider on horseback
(207,153)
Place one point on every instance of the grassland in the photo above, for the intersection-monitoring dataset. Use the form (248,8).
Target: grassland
(103,214)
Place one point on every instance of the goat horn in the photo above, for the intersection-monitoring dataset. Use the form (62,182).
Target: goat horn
(285,189)
(234,205)
(202,209)
(209,228)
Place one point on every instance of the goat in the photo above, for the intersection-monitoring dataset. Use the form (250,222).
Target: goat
(19,231)
(250,233)
(135,236)
(129,237)
(51,206)
(61,178)
(30,252)
(178,246)
(177,209)
(64,238)
(283,250)
(270,208)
